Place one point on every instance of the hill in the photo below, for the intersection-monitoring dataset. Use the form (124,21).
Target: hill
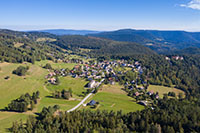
(189,51)
(21,46)
(69,32)
(98,46)
(160,41)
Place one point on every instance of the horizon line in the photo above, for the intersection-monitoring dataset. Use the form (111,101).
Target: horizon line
(91,29)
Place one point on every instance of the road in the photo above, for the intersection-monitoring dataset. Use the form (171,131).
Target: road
(74,108)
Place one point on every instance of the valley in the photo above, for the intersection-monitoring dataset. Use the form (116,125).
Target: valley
(75,74)
(110,97)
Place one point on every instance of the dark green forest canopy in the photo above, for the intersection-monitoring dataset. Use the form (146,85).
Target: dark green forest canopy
(101,46)
(159,41)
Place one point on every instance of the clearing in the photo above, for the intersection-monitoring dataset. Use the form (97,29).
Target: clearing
(164,90)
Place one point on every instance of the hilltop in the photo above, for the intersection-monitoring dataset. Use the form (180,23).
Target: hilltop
(160,41)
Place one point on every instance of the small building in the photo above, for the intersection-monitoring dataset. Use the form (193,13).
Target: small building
(136,93)
(52,80)
(112,82)
(92,102)
(157,96)
(143,103)
(91,84)
(140,88)
(150,93)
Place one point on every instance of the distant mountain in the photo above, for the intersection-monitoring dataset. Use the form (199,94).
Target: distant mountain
(190,51)
(69,32)
(160,41)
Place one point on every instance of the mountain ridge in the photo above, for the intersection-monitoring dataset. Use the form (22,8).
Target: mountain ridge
(157,40)
(67,31)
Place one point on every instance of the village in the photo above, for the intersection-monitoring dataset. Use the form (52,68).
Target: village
(98,72)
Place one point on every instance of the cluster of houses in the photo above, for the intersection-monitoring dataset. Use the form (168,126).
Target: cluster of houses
(174,57)
(51,76)
(97,71)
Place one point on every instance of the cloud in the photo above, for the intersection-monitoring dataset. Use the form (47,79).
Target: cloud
(193,4)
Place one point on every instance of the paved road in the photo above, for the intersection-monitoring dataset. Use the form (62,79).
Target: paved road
(74,108)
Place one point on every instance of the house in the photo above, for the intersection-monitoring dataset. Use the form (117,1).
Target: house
(75,76)
(150,93)
(52,80)
(140,88)
(157,96)
(136,93)
(112,82)
(143,103)
(167,58)
(91,84)
(92,102)
(132,82)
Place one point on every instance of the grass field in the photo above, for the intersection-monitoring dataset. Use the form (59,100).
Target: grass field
(56,65)
(34,80)
(43,39)
(17,45)
(111,97)
(7,118)
(164,90)
(76,84)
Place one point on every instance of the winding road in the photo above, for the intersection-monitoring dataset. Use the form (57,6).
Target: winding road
(74,108)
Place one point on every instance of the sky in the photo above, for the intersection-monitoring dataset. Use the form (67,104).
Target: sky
(102,15)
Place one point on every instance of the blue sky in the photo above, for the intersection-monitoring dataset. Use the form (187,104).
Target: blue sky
(100,14)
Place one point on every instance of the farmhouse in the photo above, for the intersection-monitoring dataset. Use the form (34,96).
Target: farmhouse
(91,84)
(143,103)
(92,102)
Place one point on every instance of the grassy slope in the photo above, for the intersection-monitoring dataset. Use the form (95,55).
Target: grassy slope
(56,65)
(33,81)
(163,90)
(76,84)
(7,118)
(111,97)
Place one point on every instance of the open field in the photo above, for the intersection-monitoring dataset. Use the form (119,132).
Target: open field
(7,118)
(16,85)
(164,90)
(17,44)
(43,39)
(111,97)
(79,57)
(56,65)
(13,87)
(64,104)
(76,84)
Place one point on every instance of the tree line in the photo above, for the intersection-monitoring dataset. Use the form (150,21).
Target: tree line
(171,115)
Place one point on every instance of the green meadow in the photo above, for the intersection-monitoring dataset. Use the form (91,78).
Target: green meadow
(111,97)
(164,90)
(34,80)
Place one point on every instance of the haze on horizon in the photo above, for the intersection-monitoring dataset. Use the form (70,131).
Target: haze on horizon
(102,15)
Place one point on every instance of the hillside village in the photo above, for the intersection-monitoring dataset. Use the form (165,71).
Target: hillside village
(96,71)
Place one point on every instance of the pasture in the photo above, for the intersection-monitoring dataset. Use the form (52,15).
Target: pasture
(164,90)
(111,97)
(34,80)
